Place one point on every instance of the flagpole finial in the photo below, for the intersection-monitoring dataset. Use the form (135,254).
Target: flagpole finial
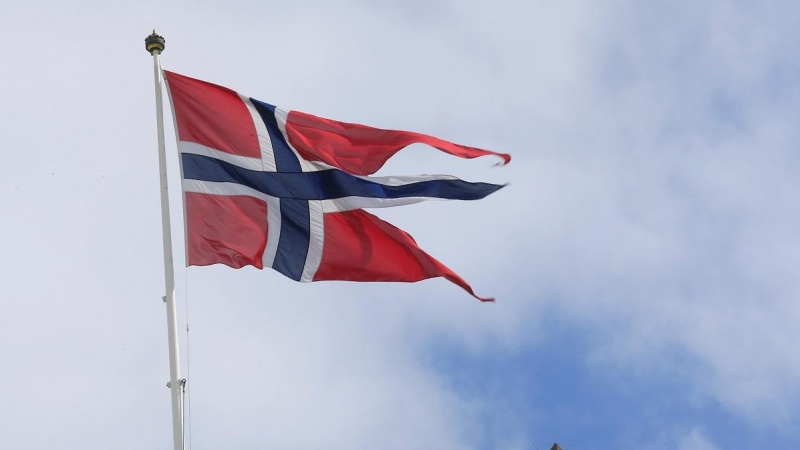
(154,42)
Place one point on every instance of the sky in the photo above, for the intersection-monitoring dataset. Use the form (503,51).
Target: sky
(644,257)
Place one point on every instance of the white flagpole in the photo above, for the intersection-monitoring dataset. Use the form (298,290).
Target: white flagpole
(155,45)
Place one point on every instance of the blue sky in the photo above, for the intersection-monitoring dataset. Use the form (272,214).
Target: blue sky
(644,256)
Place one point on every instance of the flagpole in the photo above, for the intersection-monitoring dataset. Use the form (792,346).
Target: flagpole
(155,45)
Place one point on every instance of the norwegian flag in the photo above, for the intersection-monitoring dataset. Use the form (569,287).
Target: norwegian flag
(270,187)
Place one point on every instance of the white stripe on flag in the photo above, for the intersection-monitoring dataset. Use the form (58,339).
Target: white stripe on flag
(316,241)
(264,141)
(351,203)
(273,231)
(226,189)
(237,160)
(403,180)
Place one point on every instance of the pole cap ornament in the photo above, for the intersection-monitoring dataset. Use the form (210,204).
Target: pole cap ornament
(154,42)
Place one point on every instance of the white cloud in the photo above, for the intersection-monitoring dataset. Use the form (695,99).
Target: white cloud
(699,206)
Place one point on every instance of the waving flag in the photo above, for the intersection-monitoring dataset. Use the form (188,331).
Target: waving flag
(269,187)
